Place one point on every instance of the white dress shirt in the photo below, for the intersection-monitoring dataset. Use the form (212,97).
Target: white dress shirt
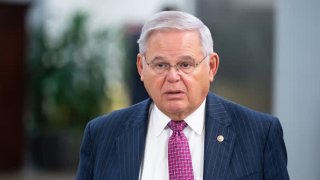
(155,161)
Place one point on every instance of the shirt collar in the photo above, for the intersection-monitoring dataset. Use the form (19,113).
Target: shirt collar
(159,120)
(196,119)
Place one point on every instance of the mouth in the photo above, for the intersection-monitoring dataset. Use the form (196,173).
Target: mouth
(174,94)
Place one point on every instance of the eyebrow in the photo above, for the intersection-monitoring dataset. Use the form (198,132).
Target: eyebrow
(161,58)
(187,58)
(158,58)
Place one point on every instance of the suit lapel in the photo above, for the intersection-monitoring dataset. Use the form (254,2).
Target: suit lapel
(217,153)
(130,144)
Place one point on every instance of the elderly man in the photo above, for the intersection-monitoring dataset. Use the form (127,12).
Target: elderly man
(182,132)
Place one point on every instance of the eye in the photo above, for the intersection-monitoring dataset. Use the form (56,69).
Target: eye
(160,65)
(186,65)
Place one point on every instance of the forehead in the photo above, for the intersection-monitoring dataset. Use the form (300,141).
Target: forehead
(175,33)
(173,42)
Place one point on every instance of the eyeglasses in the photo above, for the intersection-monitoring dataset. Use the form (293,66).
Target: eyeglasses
(186,65)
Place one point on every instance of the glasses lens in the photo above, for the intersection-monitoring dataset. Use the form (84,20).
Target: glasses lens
(186,66)
(159,68)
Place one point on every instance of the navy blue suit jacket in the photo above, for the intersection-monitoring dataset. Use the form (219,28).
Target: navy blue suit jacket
(253,146)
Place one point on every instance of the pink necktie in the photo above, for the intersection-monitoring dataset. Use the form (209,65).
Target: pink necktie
(179,158)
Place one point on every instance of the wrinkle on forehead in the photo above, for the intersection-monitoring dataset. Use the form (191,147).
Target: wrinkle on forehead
(174,44)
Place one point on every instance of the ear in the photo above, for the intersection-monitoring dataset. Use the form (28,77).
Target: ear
(140,65)
(214,65)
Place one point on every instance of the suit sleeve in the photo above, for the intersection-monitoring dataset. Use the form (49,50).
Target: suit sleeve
(85,167)
(275,154)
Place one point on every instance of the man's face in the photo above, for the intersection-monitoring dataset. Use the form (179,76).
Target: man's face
(175,93)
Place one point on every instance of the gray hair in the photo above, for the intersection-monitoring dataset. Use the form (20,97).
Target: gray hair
(168,20)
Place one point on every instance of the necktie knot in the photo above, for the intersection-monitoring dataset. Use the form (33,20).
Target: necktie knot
(177,125)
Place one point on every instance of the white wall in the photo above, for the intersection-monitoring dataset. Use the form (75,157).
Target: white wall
(297,84)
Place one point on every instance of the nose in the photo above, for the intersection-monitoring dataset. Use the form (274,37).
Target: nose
(173,74)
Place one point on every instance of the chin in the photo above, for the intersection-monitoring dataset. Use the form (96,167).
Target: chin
(173,107)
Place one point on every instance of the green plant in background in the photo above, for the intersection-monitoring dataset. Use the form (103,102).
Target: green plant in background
(67,77)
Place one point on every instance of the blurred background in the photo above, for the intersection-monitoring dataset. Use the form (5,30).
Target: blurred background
(63,63)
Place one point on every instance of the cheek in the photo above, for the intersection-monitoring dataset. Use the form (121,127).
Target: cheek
(153,85)
(198,86)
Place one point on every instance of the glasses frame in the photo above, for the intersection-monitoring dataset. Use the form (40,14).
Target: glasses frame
(174,66)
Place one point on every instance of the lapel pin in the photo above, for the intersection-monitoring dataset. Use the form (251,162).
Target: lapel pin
(220,138)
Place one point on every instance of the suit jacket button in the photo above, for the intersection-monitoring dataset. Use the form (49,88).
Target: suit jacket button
(220,138)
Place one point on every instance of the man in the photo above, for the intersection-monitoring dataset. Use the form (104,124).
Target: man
(183,131)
